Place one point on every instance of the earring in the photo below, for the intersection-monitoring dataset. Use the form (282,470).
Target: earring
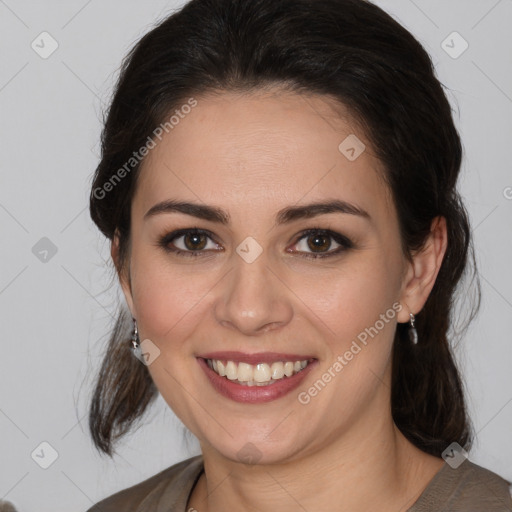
(413,333)
(135,338)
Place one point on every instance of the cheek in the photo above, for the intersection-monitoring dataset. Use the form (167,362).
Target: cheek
(358,321)
(350,296)
(357,326)
(170,305)
(168,301)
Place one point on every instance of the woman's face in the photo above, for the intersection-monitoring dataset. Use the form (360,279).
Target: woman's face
(253,285)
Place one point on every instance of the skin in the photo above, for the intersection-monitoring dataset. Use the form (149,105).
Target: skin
(252,155)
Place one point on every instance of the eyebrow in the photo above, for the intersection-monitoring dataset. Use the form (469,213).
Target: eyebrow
(286,215)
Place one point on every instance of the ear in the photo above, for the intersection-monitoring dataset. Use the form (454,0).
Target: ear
(421,274)
(123,272)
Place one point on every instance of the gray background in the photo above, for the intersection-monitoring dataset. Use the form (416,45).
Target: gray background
(57,308)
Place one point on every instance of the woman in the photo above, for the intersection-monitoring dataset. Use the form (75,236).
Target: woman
(278,182)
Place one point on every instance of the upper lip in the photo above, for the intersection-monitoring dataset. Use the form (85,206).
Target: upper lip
(259,357)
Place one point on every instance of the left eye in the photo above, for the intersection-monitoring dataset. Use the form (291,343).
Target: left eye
(319,241)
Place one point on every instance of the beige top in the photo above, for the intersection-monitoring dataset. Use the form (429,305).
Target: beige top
(469,488)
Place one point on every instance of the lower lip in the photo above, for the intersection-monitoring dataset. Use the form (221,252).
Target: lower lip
(254,394)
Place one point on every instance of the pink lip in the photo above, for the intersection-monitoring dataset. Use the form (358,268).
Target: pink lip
(254,394)
(260,357)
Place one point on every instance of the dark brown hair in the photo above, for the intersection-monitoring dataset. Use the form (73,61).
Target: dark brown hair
(349,50)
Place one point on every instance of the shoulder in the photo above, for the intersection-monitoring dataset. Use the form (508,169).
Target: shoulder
(173,484)
(469,487)
(7,506)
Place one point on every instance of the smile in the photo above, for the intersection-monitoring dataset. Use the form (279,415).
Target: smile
(262,374)
(255,378)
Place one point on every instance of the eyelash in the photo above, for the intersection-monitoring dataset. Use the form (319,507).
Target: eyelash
(344,242)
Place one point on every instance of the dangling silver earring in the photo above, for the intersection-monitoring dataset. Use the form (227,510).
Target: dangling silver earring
(135,338)
(413,333)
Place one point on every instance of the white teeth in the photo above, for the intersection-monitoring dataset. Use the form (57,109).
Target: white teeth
(221,369)
(245,372)
(261,374)
(231,370)
(277,370)
(288,369)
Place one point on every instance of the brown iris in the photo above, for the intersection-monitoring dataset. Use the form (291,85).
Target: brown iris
(317,242)
(195,238)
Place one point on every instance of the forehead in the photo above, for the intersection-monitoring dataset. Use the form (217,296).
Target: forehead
(260,152)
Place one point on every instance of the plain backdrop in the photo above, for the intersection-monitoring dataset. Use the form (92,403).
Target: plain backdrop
(56,296)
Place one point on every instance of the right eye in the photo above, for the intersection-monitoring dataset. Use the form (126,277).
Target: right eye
(188,242)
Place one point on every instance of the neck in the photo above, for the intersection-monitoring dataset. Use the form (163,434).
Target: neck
(371,467)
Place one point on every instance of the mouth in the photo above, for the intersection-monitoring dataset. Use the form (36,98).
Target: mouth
(261,374)
(255,377)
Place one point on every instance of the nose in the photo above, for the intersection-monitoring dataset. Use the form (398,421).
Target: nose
(253,299)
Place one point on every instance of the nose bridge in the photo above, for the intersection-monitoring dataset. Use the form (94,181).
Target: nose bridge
(252,299)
